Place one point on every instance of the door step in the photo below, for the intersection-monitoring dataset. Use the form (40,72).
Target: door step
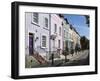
(39,58)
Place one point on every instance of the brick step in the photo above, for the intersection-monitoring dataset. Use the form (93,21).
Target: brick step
(39,58)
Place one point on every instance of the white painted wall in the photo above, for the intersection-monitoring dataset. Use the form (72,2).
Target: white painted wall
(5,40)
(38,30)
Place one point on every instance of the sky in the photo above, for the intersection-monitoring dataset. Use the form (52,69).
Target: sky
(79,23)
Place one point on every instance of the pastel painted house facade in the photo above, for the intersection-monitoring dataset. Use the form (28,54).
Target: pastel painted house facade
(46,34)
(37,33)
(74,38)
(56,30)
(66,33)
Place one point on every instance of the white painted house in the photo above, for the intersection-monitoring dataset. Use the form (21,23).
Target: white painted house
(40,28)
(36,33)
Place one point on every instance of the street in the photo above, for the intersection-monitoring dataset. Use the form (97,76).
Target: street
(81,58)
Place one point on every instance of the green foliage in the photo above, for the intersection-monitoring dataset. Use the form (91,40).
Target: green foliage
(77,47)
(87,20)
(84,43)
(30,61)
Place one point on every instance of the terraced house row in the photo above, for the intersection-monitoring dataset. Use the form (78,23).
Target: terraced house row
(47,34)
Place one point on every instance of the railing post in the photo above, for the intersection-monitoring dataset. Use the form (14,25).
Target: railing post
(52,58)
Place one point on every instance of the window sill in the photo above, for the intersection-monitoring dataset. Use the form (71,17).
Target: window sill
(43,47)
(35,24)
(45,28)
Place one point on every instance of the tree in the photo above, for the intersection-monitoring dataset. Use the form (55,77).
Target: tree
(77,47)
(87,44)
(84,43)
(72,48)
(66,50)
(87,20)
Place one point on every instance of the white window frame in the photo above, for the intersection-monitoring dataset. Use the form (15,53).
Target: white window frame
(67,35)
(59,43)
(60,31)
(45,41)
(55,28)
(46,22)
(34,17)
(64,34)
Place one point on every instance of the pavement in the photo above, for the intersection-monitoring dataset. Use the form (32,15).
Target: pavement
(79,56)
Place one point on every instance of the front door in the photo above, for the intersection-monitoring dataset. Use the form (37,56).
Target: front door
(31,43)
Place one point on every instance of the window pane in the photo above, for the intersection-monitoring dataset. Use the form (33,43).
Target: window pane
(64,34)
(35,17)
(59,30)
(55,30)
(43,41)
(46,22)
(58,43)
